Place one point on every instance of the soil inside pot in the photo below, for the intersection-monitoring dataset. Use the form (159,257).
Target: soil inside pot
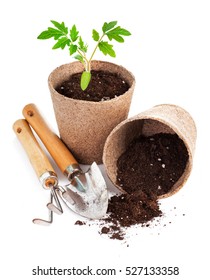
(103,86)
(152,164)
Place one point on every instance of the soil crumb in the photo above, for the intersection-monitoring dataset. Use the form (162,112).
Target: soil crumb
(80,223)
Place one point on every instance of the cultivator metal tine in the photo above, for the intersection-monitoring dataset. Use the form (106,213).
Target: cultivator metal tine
(52,209)
(43,222)
(51,206)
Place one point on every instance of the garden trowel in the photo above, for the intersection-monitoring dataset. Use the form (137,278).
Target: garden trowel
(87,192)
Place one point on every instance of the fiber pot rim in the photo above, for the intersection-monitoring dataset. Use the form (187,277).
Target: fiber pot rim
(93,63)
(160,119)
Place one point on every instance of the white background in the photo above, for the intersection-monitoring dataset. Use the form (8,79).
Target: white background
(169,54)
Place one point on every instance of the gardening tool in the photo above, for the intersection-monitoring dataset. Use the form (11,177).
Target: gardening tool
(87,192)
(42,167)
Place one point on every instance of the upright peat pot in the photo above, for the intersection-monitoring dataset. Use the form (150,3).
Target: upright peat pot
(84,125)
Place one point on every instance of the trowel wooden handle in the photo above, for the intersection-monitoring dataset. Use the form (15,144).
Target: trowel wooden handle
(52,142)
(36,155)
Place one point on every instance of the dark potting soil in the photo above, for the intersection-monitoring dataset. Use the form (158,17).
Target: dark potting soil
(103,86)
(152,164)
(127,210)
(131,209)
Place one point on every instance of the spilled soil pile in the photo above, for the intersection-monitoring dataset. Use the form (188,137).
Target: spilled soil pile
(127,210)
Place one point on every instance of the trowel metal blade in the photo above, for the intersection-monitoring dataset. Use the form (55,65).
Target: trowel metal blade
(91,203)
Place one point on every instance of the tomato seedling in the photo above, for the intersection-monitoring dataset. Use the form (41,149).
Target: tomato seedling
(70,38)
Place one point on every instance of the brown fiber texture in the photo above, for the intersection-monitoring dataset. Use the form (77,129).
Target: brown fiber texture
(85,125)
(165,118)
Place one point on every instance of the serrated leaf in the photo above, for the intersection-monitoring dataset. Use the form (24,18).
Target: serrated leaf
(106,48)
(117,34)
(116,37)
(61,26)
(74,33)
(49,33)
(82,45)
(107,26)
(62,42)
(79,57)
(95,35)
(85,80)
(120,31)
(45,35)
(72,49)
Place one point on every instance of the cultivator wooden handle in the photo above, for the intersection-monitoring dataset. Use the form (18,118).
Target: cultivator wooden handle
(37,157)
(52,142)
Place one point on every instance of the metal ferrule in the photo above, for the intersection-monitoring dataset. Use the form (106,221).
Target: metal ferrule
(48,179)
(72,170)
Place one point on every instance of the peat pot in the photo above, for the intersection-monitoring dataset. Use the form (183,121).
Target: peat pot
(84,125)
(159,119)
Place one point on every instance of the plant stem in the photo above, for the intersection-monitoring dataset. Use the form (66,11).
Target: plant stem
(89,61)
(85,58)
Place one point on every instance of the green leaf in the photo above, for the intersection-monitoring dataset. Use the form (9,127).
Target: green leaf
(72,49)
(82,45)
(61,30)
(79,57)
(45,35)
(49,33)
(106,48)
(62,42)
(116,37)
(117,34)
(107,26)
(74,33)
(60,26)
(95,35)
(120,31)
(85,80)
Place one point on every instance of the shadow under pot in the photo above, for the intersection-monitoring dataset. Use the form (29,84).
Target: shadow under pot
(152,151)
(84,125)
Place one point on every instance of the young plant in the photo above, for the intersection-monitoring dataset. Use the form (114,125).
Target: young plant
(71,39)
